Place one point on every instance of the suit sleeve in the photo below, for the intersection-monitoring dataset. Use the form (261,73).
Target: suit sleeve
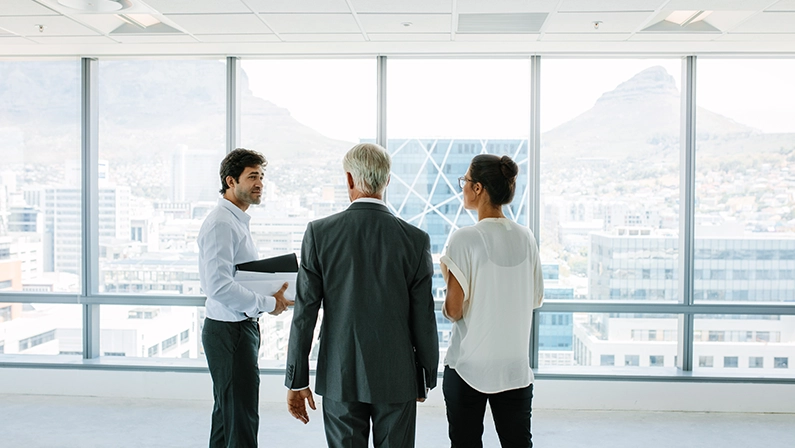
(308,297)
(423,317)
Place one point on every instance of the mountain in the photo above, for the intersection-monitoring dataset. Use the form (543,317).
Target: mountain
(641,119)
(147,109)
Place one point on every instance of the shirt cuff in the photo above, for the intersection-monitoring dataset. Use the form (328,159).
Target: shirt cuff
(268,304)
(303,388)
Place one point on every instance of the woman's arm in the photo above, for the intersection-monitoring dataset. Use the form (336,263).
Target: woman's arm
(453,307)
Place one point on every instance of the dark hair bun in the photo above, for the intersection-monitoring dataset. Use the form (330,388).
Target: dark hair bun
(508,167)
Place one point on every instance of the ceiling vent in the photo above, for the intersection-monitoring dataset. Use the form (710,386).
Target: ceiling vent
(142,24)
(683,22)
(522,23)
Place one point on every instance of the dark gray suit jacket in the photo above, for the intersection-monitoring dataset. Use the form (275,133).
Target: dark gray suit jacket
(372,273)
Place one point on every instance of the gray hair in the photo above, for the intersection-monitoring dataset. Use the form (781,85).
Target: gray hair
(369,165)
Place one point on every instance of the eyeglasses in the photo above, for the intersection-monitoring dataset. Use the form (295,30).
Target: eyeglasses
(462,181)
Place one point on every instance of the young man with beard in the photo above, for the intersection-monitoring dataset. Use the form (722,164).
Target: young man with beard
(231,335)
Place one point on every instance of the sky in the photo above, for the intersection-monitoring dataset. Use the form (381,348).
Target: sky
(489,98)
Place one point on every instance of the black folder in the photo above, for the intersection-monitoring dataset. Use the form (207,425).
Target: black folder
(422,384)
(282,263)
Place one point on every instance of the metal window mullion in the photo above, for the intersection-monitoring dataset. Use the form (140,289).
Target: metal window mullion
(687,211)
(89,151)
(380,126)
(380,133)
(534,181)
(232,103)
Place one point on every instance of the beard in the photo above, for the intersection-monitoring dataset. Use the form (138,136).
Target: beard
(248,197)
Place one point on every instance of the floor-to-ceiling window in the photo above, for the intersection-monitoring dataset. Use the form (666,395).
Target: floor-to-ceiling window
(40,205)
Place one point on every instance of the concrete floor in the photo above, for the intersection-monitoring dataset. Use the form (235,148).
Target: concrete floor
(32,421)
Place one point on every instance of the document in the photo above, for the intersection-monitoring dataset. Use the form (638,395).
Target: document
(267,276)
(267,283)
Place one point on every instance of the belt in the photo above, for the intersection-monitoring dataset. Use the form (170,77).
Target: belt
(252,319)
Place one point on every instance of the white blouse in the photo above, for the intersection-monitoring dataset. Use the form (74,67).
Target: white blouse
(497,264)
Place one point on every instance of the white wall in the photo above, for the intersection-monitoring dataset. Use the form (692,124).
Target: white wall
(549,394)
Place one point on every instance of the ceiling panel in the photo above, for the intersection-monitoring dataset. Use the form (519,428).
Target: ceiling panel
(104,23)
(585,37)
(403,37)
(496,37)
(220,23)
(68,40)
(403,6)
(393,23)
(53,26)
(215,38)
(769,37)
(768,22)
(726,20)
(672,37)
(312,23)
(612,22)
(783,5)
(24,8)
(288,6)
(609,5)
(505,6)
(15,41)
(717,5)
(155,39)
(312,37)
(198,6)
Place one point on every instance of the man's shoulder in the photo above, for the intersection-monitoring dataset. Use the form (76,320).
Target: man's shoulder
(218,217)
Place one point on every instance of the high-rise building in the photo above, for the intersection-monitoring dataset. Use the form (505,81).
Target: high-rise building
(424,187)
(195,175)
(62,233)
(642,264)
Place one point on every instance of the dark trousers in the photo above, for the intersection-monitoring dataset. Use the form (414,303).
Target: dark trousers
(466,407)
(348,424)
(232,350)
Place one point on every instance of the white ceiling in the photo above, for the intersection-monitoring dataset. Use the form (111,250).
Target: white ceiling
(395,27)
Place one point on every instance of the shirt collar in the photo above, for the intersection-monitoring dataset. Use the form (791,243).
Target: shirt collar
(370,200)
(239,214)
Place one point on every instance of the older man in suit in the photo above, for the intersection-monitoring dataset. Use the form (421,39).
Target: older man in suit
(371,272)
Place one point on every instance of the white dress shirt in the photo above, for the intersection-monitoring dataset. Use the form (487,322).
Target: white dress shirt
(497,264)
(224,241)
(370,200)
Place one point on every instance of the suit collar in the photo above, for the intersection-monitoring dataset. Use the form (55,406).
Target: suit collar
(362,205)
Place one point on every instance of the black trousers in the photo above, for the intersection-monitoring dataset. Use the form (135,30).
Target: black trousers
(232,350)
(466,407)
(348,424)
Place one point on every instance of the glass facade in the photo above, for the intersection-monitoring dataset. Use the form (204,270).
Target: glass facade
(610,186)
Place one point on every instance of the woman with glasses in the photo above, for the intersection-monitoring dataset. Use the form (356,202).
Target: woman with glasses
(494,281)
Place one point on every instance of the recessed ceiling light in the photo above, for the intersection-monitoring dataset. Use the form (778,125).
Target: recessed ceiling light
(141,20)
(684,18)
(96,5)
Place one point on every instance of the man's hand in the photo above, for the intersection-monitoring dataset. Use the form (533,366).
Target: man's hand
(422,400)
(281,302)
(296,404)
